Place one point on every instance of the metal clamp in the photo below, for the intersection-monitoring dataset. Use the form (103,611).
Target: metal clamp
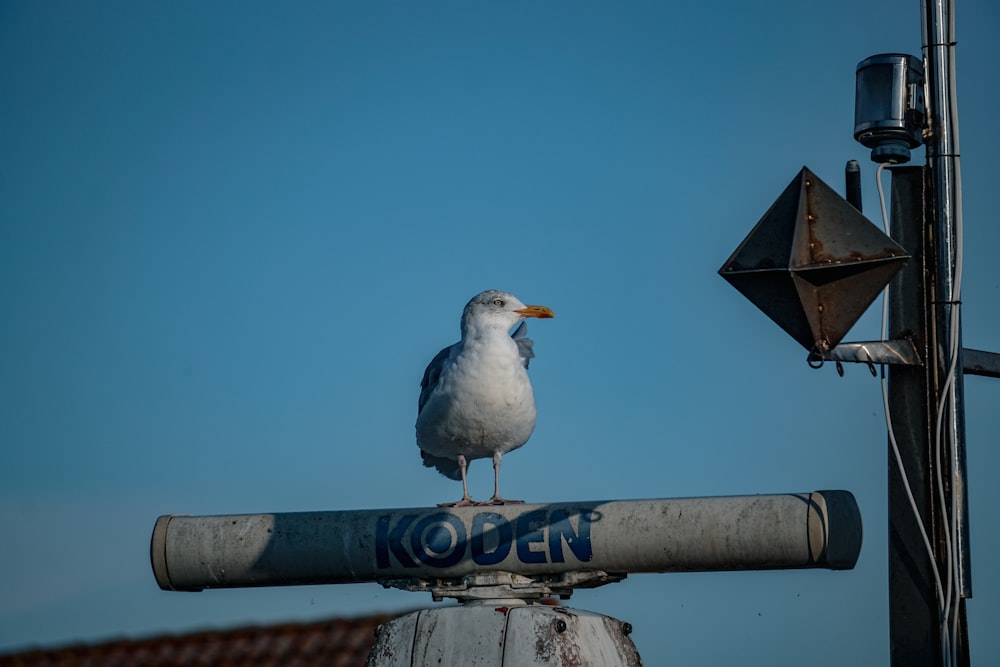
(505,585)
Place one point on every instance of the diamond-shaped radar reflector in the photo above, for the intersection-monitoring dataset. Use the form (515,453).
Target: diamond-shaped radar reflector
(813,263)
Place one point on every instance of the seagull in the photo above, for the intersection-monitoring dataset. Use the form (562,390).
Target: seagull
(475,397)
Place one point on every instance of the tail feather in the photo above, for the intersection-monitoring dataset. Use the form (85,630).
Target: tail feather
(447,467)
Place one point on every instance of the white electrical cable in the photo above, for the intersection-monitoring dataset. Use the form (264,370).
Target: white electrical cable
(892,435)
(946,443)
(946,439)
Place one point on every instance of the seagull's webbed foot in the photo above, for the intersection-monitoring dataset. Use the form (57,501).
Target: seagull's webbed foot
(497,500)
(464,502)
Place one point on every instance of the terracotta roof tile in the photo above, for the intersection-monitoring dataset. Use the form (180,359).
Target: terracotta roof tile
(332,643)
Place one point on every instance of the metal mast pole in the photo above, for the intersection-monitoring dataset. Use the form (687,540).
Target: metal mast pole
(927,591)
(914,617)
(938,26)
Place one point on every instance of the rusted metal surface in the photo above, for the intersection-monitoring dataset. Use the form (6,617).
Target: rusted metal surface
(813,263)
(504,635)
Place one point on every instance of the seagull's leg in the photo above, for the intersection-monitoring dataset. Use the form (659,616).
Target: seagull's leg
(466,500)
(496,499)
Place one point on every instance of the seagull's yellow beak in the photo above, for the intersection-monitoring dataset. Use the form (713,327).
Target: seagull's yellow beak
(535,311)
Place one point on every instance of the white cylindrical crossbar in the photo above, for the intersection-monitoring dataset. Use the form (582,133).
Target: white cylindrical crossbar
(801,530)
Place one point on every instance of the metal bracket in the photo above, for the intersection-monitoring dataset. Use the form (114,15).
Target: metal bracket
(900,352)
(505,585)
(979,362)
(903,352)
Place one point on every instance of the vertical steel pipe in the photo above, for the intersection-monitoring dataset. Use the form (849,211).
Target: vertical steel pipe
(945,212)
(938,27)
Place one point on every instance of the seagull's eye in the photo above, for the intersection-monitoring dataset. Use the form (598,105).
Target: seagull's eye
(497,302)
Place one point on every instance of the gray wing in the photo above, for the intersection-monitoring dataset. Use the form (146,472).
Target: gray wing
(431,376)
(447,467)
(524,344)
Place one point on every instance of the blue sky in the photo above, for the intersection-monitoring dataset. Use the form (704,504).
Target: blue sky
(232,235)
